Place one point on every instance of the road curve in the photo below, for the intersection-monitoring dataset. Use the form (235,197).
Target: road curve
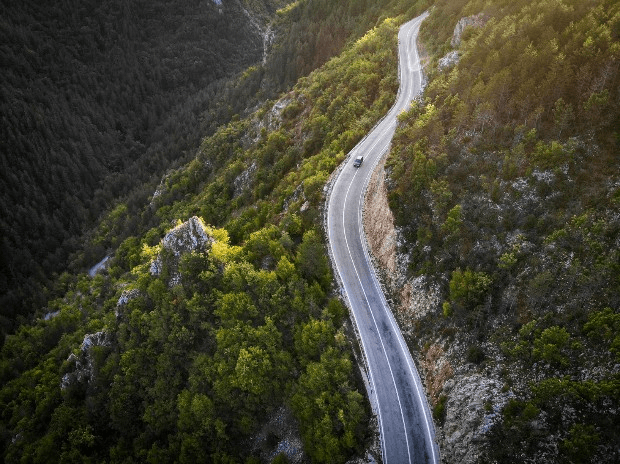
(396,393)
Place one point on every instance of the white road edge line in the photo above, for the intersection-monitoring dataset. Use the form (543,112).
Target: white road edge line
(370,373)
(412,369)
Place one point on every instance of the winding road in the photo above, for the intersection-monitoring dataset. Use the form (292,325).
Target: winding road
(396,393)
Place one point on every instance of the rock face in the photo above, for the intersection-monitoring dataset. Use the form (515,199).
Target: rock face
(449,60)
(379,223)
(419,298)
(124,299)
(244,180)
(473,406)
(83,362)
(452,57)
(187,237)
(162,188)
(270,121)
(273,118)
(184,238)
(280,435)
(475,21)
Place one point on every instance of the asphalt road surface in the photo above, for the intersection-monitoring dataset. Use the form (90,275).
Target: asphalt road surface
(396,393)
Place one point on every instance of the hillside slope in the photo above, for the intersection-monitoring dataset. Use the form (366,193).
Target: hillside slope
(101,98)
(505,189)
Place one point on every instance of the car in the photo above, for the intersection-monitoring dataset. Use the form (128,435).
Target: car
(358,161)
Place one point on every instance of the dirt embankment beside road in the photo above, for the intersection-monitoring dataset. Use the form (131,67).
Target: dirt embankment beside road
(379,221)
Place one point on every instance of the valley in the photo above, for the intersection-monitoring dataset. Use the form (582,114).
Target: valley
(196,145)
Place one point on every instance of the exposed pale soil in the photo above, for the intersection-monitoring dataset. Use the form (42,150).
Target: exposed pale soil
(379,221)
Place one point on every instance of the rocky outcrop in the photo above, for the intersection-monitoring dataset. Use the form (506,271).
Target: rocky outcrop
(163,186)
(184,238)
(449,60)
(297,194)
(474,403)
(125,298)
(438,371)
(474,21)
(273,118)
(453,57)
(244,180)
(280,435)
(159,191)
(202,167)
(83,366)
(418,298)
(270,120)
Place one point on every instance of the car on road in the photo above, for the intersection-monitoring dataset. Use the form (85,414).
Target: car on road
(358,161)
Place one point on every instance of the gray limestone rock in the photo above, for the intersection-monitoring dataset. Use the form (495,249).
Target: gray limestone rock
(184,238)
(474,21)
(448,61)
(83,362)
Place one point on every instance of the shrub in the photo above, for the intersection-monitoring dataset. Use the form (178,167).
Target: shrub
(468,288)
(439,410)
(580,443)
(549,346)
(475,354)
(447,309)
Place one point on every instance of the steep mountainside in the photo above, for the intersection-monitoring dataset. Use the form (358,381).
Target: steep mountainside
(99,99)
(214,333)
(504,181)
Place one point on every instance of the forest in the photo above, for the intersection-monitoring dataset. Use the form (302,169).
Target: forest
(504,182)
(188,354)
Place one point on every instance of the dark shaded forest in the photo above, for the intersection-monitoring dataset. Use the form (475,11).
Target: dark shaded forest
(98,98)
